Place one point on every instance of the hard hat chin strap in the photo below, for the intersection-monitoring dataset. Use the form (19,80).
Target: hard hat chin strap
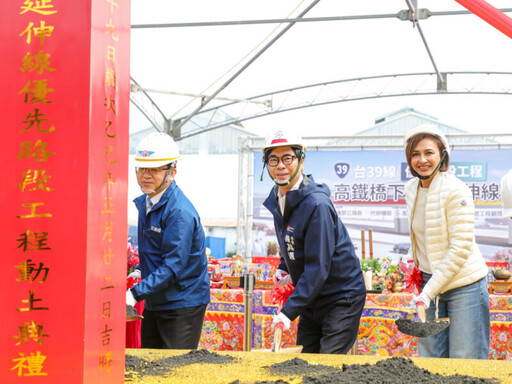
(435,170)
(289,180)
(262,170)
(166,178)
(291,177)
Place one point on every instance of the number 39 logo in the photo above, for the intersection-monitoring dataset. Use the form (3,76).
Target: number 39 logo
(341,169)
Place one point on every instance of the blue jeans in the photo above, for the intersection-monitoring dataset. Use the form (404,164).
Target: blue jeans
(468,336)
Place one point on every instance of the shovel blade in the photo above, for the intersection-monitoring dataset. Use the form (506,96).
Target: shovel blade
(421,329)
(131,313)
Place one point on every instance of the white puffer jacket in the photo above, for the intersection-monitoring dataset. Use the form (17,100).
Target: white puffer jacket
(454,256)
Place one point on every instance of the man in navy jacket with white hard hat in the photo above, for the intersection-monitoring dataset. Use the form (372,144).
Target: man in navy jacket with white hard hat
(175,283)
(317,254)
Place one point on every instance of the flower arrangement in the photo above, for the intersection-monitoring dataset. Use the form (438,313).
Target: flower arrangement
(384,273)
(271,248)
(133,258)
(504,254)
(132,262)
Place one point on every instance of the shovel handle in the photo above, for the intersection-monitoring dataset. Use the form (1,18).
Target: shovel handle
(278,335)
(422,315)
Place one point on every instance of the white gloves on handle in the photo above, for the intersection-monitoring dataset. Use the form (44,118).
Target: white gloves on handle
(135,274)
(130,300)
(282,278)
(422,297)
(281,318)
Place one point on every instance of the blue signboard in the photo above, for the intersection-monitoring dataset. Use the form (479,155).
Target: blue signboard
(368,191)
(379,177)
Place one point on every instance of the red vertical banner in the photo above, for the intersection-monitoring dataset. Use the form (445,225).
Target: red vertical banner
(489,14)
(64,101)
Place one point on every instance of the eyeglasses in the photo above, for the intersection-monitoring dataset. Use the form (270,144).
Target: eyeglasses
(152,171)
(273,161)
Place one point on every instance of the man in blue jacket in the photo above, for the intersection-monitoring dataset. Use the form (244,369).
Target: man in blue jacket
(317,254)
(175,282)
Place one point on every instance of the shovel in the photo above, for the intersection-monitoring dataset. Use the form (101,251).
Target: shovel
(279,296)
(278,337)
(422,328)
(131,313)
(276,345)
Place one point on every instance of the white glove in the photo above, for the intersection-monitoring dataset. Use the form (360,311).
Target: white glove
(281,318)
(283,278)
(135,274)
(423,298)
(130,300)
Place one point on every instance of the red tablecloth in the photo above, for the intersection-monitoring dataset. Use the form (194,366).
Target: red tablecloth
(133,328)
(224,320)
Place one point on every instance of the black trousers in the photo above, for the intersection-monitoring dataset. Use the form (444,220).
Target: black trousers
(332,329)
(172,329)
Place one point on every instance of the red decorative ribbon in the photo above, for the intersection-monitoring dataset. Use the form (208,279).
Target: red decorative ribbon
(281,294)
(412,278)
(131,281)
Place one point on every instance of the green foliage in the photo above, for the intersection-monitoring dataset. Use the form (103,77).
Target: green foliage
(373,265)
(393,268)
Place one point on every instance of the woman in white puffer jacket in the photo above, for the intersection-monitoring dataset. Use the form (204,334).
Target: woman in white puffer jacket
(442,225)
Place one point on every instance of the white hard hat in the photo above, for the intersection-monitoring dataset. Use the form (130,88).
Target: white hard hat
(431,130)
(155,150)
(281,138)
(506,194)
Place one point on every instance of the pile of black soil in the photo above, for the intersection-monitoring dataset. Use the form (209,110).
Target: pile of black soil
(395,370)
(263,382)
(298,366)
(419,329)
(135,365)
(201,356)
(138,366)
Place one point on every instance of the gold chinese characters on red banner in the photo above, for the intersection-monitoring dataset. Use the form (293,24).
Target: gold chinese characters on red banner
(65,94)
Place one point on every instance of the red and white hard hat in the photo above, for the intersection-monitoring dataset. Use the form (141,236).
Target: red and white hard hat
(431,130)
(155,150)
(506,194)
(282,138)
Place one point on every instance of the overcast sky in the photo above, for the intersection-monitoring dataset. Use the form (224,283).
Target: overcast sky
(200,59)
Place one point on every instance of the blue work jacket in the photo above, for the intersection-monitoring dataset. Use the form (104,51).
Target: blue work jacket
(316,249)
(173,262)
